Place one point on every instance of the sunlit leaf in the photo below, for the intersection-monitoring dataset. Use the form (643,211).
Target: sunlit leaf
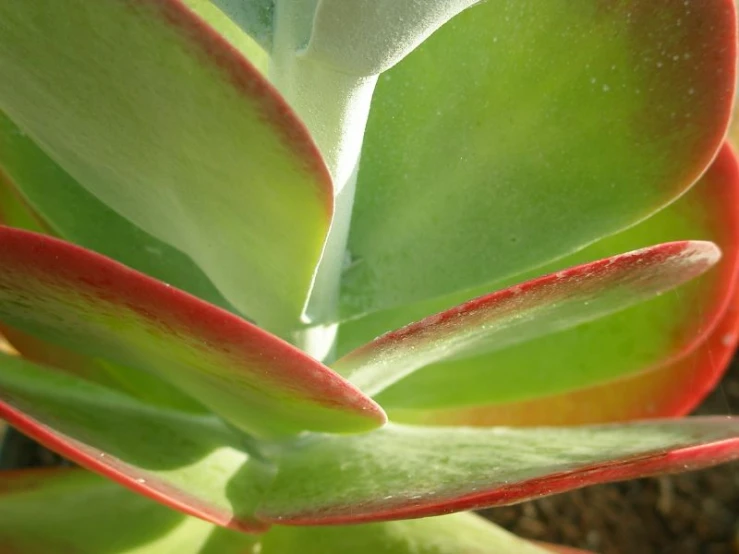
(404,471)
(641,339)
(158,116)
(191,463)
(82,301)
(525,311)
(525,129)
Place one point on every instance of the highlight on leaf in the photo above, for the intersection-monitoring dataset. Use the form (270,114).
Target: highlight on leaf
(541,306)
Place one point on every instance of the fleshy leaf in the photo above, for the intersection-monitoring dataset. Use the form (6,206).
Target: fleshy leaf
(191,144)
(14,210)
(77,216)
(569,121)
(403,471)
(639,339)
(525,311)
(255,17)
(452,534)
(674,388)
(85,514)
(194,464)
(139,384)
(368,37)
(90,304)
(72,511)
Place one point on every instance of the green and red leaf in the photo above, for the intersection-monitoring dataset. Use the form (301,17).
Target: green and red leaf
(671,389)
(84,514)
(404,471)
(539,307)
(524,130)
(90,304)
(192,463)
(74,214)
(150,109)
(538,381)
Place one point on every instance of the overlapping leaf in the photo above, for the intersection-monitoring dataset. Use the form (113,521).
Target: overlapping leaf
(55,511)
(79,217)
(90,304)
(453,534)
(531,309)
(524,130)
(670,389)
(404,471)
(151,110)
(85,514)
(192,463)
(610,351)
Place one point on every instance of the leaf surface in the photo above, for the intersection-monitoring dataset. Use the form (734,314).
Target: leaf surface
(76,215)
(82,513)
(90,304)
(453,534)
(586,360)
(194,464)
(149,108)
(673,388)
(405,471)
(522,131)
(525,311)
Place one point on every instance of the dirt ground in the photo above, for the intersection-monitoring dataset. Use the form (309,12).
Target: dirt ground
(691,513)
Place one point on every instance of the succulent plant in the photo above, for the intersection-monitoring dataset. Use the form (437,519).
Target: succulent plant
(305,272)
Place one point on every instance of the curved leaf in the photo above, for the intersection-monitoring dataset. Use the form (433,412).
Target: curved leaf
(90,304)
(255,17)
(671,389)
(534,308)
(81,513)
(524,130)
(194,464)
(402,472)
(134,382)
(77,216)
(620,346)
(452,534)
(14,210)
(158,116)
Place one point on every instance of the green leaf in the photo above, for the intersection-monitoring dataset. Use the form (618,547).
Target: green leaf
(525,311)
(139,384)
(158,116)
(89,304)
(255,17)
(73,511)
(191,463)
(404,471)
(642,339)
(674,388)
(79,217)
(524,130)
(452,534)
(14,210)
(85,514)
(368,37)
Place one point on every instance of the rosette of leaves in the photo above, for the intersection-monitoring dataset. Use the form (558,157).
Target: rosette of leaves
(304,277)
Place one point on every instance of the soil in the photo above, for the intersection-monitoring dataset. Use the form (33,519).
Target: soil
(689,513)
